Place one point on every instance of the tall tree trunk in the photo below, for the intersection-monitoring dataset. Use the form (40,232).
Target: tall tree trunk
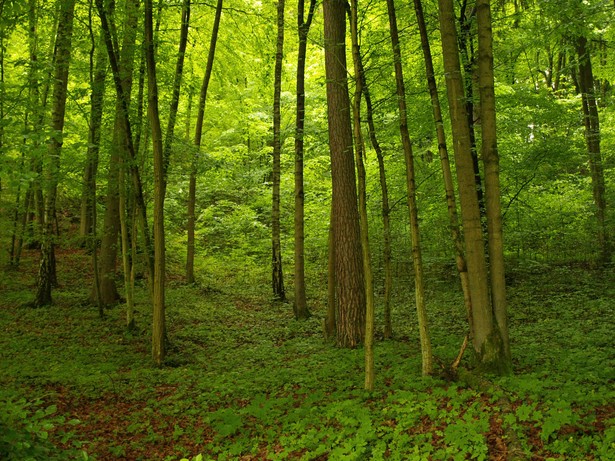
(300,308)
(111,227)
(277,274)
(330,323)
(427,362)
(347,233)
(370,373)
(60,86)
(158,321)
(198,133)
(449,187)
(97,85)
(482,320)
(592,138)
(386,222)
(499,340)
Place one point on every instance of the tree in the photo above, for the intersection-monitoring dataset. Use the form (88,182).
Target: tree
(417,260)
(346,230)
(277,276)
(198,132)
(300,308)
(62,58)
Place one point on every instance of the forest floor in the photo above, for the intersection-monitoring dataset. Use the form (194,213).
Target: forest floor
(245,381)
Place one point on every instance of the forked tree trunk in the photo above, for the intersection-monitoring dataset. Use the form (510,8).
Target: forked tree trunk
(198,132)
(62,63)
(592,138)
(347,233)
(427,358)
(359,154)
(449,187)
(499,338)
(300,308)
(277,274)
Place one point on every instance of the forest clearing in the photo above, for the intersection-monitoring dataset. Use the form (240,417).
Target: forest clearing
(311,230)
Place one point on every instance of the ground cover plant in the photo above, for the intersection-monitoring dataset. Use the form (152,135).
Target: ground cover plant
(244,380)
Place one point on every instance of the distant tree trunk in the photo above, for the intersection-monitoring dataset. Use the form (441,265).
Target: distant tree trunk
(303,26)
(62,63)
(111,227)
(592,138)
(158,321)
(491,164)
(386,222)
(427,359)
(97,85)
(449,187)
(198,132)
(370,373)
(347,233)
(277,274)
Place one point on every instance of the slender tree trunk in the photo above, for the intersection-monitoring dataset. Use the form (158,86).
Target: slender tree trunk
(62,62)
(300,308)
(592,138)
(198,133)
(449,187)
(347,234)
(499,340)
(158,321)
(359,155)
(426,353)
(277,275)
(97,85)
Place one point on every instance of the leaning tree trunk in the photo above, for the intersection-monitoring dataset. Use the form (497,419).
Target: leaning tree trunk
(60,86)
(346,228)
(277,275)
(499,338)
(427,362)
(198,133)
(449,187)
(300,308)
(592,138)
(359,155)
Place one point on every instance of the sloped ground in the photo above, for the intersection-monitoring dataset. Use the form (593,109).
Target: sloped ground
(245,381)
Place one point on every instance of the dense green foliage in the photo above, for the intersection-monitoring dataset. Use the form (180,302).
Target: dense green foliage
(246,381)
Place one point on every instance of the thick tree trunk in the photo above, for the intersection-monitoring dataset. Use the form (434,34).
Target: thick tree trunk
(300,308)
(449,187)
(46,273)
(427,358)
(198,133)
(502,362)
(592,138)
(330,324)
(158,321)
(277,274)
(347,233)
(359,155)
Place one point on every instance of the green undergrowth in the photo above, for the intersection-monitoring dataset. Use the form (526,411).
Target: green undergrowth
(244,380)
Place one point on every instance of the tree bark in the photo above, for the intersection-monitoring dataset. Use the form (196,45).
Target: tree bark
(491,162)
(300,308)
(592,138)
(198,132)
(277,274)
(427,358)
(158,321)
(347,234)
(449,187)
(359,155)
(62,63)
